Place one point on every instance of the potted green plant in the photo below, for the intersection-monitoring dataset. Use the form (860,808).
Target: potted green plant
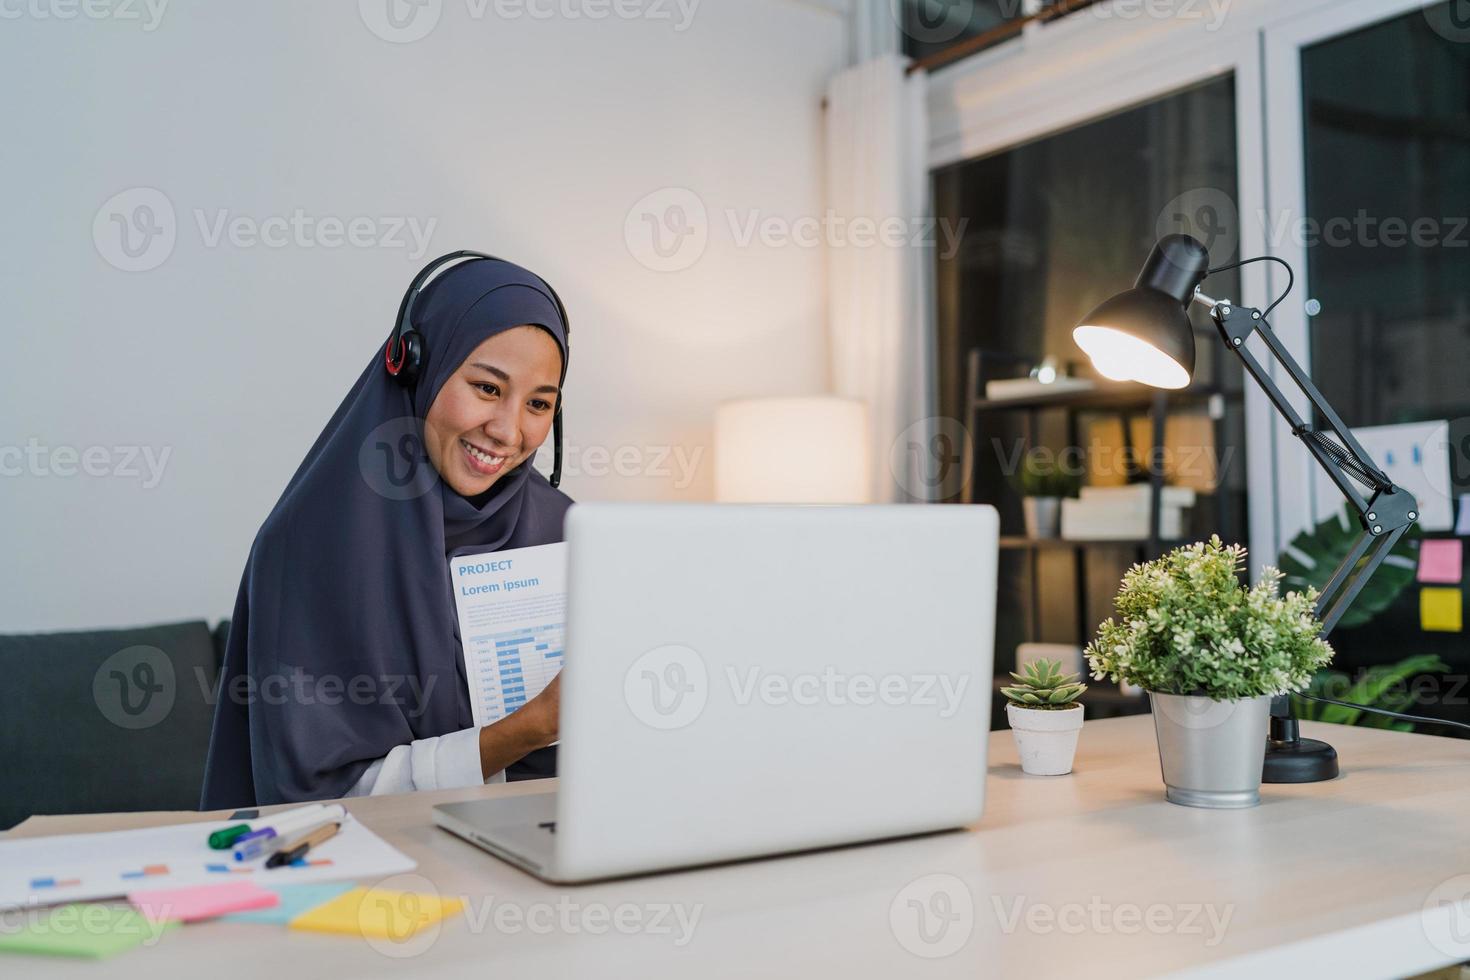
(1211,654)
(1043,483)
(1045,717)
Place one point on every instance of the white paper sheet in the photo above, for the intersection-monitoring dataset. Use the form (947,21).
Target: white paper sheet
(512,608)
(83,867)
(1416,456)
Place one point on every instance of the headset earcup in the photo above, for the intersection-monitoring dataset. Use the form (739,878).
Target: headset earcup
(404,368)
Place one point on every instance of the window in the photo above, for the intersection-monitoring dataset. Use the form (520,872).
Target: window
(1051,228)
(1388,198)
(1386,158)
(1353,122)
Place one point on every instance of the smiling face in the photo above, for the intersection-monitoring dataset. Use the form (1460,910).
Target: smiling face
(496,410)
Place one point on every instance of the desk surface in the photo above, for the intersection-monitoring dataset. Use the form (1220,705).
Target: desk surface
(1091,875)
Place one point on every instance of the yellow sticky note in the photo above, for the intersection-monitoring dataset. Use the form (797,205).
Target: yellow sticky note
(1441,610)
(378,912)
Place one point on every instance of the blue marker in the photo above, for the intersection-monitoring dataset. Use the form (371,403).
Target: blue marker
(254,844)
(273,829)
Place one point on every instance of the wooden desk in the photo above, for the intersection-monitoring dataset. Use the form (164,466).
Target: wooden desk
(1088,875)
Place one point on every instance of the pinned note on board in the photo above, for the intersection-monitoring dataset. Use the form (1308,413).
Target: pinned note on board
(1462,526)
(1441,560)
(1441,610)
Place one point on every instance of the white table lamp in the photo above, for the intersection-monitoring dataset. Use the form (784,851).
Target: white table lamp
(810,450)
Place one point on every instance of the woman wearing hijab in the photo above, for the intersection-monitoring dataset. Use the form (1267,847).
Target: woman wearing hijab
(343,674)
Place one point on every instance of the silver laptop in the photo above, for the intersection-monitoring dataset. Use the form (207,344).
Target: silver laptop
(752,680)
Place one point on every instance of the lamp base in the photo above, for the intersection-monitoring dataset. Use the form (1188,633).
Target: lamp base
(1291,758)
(1302,760)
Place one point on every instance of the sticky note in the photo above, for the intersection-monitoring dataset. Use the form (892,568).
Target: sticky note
(202,901)
(295,900)
(1441,560)
(1441,610)
(378,912)
(1462,526)
(90,931)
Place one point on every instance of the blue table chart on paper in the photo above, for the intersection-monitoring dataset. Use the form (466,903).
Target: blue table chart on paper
(524,662)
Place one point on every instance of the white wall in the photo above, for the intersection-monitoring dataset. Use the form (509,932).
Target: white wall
(529,138)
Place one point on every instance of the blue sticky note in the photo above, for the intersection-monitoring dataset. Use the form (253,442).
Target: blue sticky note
(295,900)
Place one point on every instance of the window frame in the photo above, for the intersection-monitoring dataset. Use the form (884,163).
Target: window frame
(1286,177)
(1103,61)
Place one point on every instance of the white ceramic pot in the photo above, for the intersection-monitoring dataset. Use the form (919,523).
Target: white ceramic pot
(1045,740)
(1043,516)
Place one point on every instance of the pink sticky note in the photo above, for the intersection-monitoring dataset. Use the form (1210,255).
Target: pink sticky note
(1441,560)
(201,902)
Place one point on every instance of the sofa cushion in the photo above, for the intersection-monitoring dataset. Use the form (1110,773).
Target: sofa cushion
(221,637)
(103,721)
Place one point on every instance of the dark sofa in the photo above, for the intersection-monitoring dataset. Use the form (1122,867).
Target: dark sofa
(107,720)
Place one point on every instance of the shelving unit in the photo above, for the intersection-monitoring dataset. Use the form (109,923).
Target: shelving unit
(1125,399)
(1017,541)
(1128,401)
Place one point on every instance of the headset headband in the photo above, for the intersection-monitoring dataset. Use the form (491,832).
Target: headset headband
(410,298)
(403,329)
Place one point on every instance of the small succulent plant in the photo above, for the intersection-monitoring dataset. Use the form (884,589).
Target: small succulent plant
(1043,685)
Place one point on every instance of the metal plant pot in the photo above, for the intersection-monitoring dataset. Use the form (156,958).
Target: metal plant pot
(1043,516)
(1211,752)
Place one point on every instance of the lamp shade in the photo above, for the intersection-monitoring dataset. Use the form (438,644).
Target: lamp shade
(1143,334)
(811,450)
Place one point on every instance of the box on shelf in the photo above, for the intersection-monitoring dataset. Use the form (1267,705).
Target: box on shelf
(1095,519)
(1190,456)
(1004,389)
(1140,495)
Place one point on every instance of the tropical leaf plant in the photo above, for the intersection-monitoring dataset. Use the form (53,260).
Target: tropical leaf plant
(1314,555)
(1380,686)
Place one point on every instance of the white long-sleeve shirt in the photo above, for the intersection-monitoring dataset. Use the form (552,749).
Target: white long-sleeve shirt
(443,762)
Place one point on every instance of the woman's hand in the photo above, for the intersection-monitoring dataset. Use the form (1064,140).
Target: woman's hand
(545,709)
(517,735)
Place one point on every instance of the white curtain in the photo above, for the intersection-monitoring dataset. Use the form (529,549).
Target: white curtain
(879,273)
(875,28)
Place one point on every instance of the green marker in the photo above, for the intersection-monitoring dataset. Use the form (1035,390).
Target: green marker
(221,840)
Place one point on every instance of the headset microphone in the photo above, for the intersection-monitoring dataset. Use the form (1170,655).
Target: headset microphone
(404,355)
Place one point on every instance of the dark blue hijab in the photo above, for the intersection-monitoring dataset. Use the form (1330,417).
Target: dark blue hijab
(344,641)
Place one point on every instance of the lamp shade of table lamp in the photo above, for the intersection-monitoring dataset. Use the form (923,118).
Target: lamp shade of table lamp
(811,450)
(1144,333)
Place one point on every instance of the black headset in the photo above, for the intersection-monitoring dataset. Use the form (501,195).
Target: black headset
(405,351)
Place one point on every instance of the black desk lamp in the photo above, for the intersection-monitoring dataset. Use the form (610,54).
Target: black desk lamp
(1144,335)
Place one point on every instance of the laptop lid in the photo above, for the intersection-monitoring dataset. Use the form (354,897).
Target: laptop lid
(746,680)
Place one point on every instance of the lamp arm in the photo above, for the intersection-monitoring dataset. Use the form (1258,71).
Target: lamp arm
(1387,511)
